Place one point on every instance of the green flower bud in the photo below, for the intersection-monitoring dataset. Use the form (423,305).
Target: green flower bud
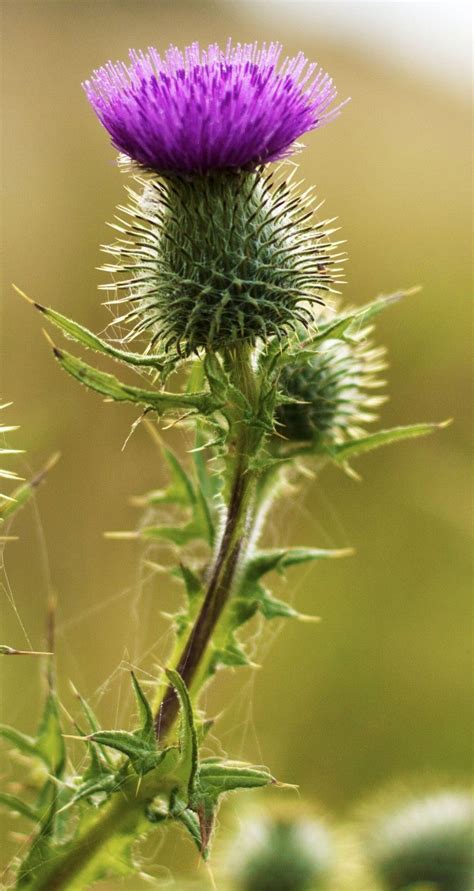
(332,390)
(283,853)
(425,840)
(215,259)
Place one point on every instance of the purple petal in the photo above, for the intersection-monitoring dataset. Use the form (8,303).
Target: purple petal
(199,110)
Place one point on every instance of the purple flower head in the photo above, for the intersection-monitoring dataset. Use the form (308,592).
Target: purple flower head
(210,109)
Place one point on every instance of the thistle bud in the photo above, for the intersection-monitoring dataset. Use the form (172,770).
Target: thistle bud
(283,853)
(214,252)
(219,258)
(332,391)
(428,839)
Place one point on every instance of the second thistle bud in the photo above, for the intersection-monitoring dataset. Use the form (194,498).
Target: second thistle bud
(332,392)
(284,853)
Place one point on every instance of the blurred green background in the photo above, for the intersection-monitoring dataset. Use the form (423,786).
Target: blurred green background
(381,688)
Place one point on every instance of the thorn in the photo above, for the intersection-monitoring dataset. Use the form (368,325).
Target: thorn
(11,651)
(51,462)
(285,785)
(49,339)
(121,536)
(304,618)
(73,736)
(343,552)
(22,294)
(443,424)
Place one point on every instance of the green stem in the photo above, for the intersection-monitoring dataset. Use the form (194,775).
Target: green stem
(244,446)
(122,815)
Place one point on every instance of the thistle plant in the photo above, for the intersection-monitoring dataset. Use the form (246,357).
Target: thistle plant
(222,270)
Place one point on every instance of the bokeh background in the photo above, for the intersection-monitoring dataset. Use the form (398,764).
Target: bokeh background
(381,688)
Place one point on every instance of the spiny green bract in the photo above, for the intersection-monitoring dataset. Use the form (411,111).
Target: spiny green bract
(221,258)
(332,391)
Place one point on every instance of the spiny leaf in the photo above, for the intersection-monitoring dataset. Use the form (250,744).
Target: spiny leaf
(40,850)
(187,734)
(93,723)
(215,778)
(111,387)
(355,447)
(23,493)
(191,823)
(90,788)
(334,331)
(18,806)
(374,307)
(272,608)
(181,490)
(142,755)
(231,655)
(90,340)
(25,744)
(263,561)
(191,581)
(184,492)
(146,732)
(50,741)
(178,535)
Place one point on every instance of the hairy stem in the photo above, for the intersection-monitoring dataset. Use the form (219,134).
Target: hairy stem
(122,815)
(231,546)
(217,595)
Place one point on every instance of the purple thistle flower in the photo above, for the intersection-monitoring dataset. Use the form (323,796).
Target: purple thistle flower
(209,109)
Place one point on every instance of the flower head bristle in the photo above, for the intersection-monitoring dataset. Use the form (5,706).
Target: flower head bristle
(200,110)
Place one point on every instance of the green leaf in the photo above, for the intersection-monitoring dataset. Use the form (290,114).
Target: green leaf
(90,340)
(25,744)
(272,608)
(231,655)
(104,785)
(108,385)
(93,724)
(191,581)
(18,806)
(215,778)
(23,493)
(178,535)
(190,821)
(187,733)
(142,755)
(279,559)
(50,741)
(355,447)
(374,307)
(334,330)
(181,490)
(146,732)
